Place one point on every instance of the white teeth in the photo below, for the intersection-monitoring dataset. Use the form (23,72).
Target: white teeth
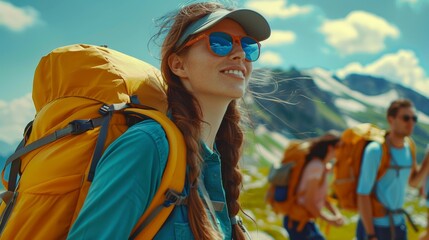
(235,72)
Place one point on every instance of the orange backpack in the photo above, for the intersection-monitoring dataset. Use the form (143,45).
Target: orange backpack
(282,191)
(348,161)
(85,97)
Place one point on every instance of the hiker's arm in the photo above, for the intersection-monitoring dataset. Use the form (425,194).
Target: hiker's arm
(339,218)
(331,207)
(417,177)
(310,203)
(366,184)
(126,180)
(365,212)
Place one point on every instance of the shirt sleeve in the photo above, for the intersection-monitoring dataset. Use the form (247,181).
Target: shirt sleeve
(370,163)
(126,180)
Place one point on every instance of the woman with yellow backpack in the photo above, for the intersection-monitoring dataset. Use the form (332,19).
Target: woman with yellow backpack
(312,190)
(206,61)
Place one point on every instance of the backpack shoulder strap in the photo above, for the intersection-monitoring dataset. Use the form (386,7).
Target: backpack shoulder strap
(173,178)
(386,156)
(385,160)
(412,145)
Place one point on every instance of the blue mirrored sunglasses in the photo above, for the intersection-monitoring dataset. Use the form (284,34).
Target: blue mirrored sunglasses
(221,44)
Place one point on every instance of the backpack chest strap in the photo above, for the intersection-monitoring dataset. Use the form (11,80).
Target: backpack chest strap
(398,168)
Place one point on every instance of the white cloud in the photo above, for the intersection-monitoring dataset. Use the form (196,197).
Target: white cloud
(359,32)
(14,116)
(279,37)
(401,67)
(17,18)
(278,8)
(270,58)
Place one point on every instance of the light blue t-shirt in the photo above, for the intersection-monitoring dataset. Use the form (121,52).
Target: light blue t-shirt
(391,188)
(126,180)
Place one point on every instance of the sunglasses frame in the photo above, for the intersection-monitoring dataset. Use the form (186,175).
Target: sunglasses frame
(235,39)
(407,118)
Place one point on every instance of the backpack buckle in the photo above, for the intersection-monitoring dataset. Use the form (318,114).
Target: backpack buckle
(105,109)
(173,197)
(81,126)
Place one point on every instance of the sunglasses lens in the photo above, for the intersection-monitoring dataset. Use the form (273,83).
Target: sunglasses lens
(251,48)
(220,43)
(407,118)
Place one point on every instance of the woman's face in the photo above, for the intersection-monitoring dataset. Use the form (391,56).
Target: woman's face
(210,77)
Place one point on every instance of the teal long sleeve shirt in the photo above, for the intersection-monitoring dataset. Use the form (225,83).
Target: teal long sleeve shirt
(126,180)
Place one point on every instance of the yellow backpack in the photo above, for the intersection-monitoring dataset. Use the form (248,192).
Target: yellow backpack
(282,192)
(85,97)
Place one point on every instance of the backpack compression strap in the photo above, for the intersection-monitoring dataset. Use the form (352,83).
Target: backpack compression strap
(106,111)
(172,198)
(73,128)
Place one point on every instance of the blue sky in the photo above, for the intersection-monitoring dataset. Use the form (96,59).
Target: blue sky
(387,38)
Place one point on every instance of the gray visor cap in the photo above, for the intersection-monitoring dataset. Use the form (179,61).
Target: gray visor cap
(253,23)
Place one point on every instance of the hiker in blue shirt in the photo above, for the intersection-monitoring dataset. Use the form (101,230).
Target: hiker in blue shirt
(390,189)
(206,61)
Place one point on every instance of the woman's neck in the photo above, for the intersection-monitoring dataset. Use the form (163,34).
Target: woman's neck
(213,113)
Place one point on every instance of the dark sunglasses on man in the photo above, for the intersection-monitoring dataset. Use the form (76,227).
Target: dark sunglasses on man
(407,118)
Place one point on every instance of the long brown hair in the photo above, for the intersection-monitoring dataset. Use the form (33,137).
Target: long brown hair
(187,115)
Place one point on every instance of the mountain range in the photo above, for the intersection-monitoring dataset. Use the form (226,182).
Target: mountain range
(306,103)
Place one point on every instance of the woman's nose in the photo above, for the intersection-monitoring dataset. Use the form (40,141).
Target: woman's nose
(237,51)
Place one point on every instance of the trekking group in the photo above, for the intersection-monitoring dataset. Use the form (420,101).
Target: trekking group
(371,170)
(121,150)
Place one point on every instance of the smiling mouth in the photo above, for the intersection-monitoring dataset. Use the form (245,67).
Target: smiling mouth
(238,73)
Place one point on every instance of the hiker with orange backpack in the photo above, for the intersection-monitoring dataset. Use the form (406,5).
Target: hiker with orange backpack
(298,188)
(380,199)
(206,61)
(313,189)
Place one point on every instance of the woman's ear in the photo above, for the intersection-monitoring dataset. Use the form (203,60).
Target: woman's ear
(176,64)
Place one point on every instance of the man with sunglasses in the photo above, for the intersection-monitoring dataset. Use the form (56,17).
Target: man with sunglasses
(390,189)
